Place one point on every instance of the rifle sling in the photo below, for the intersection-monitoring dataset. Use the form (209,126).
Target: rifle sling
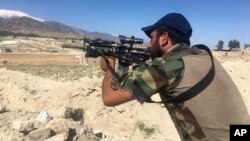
(196,89)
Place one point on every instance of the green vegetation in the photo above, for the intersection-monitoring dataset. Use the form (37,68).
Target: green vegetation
(6,33)
(220,45)
(232,44)
(58,72)
(148,131)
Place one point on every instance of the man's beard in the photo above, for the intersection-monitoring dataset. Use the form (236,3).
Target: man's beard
(155,52)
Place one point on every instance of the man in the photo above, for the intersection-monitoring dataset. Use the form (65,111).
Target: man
(176,70)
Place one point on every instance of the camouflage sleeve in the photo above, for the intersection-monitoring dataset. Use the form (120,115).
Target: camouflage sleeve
(147,79)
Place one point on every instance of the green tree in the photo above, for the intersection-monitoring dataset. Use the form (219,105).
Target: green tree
(220,45)
(234,44)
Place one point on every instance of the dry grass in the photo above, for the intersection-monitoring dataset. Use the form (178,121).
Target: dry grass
(58,72)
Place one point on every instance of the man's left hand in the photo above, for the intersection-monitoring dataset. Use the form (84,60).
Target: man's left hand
(103,64)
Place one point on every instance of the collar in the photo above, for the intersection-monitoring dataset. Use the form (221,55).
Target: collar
(177,47)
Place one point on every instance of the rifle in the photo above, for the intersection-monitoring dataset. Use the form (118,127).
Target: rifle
(124,51)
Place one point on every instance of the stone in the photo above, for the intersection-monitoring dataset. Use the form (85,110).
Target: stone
(23,126)
(59,137)
(59,126)
(40,134)
(2,109)
(75,114)
(44,117)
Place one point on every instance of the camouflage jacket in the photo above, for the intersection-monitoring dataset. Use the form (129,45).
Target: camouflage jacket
(160,74)
(206,116)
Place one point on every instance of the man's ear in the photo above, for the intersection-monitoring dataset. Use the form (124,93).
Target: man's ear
(164,39)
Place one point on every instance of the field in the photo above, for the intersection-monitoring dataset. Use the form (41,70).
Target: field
(37,74)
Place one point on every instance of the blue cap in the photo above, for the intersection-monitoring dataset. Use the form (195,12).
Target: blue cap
(173,21)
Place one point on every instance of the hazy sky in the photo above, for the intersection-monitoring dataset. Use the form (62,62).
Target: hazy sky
(212,20)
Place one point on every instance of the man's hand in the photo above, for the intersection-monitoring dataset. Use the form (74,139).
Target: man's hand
(110,96)
(103,64)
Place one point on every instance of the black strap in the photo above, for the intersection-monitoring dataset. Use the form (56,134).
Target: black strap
(196,89)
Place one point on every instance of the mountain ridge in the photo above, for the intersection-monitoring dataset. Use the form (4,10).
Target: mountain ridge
(12,13)
(30,25)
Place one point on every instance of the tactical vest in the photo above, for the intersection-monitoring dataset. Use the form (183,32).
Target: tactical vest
(206,101)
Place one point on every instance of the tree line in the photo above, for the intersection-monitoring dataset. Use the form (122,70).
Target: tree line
(7,33)
(232,44)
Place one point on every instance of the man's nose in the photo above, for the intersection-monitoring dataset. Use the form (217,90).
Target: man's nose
(148,45)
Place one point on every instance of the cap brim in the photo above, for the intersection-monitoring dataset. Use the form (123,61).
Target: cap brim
(148,29)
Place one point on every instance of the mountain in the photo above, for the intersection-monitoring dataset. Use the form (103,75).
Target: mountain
(11,13)
(47,28)
(19,22)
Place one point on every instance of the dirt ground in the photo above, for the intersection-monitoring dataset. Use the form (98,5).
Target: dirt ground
(34,80)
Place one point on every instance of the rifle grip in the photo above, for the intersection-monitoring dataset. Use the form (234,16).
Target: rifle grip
(119,79)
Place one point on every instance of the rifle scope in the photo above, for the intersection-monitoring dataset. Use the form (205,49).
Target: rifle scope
(130,40)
